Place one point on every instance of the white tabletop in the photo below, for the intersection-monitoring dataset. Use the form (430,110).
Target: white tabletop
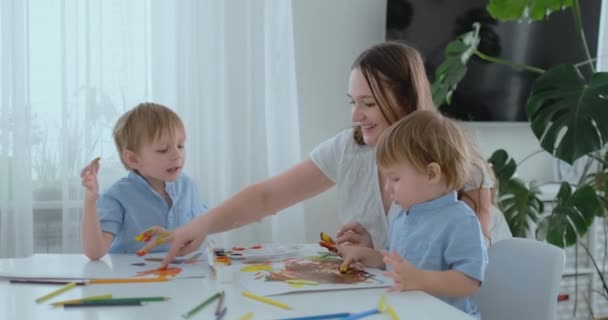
(17,302)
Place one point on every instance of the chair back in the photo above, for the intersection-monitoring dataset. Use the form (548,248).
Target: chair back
(522,280)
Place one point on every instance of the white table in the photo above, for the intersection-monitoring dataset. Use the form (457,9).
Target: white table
(17,301)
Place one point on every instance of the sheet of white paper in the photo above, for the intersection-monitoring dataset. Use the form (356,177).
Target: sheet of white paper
(305,273)
(78,266)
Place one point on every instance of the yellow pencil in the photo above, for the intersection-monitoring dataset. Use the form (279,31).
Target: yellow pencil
(57,292)
(126,280)
(103,296)
(392,313)
(247,316)
(303,282)
(266,300)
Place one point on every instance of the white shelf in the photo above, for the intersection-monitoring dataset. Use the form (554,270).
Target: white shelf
(579,271)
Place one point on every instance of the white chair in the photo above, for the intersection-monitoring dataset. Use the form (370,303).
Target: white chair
(521,281)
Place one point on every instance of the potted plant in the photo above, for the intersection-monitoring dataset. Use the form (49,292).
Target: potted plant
(568,113)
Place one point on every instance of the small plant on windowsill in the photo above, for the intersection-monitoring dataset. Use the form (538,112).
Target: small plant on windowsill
(568,114)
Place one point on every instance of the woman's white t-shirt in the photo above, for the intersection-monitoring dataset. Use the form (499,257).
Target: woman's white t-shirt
(352,167)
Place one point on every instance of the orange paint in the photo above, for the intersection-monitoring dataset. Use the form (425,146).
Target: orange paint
(161,272)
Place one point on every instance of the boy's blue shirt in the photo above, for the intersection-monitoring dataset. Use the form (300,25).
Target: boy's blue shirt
(130,206)
(442,234)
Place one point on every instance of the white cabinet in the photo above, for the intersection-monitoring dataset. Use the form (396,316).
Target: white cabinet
(580,286)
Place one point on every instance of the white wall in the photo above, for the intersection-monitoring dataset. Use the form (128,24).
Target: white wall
(328,37)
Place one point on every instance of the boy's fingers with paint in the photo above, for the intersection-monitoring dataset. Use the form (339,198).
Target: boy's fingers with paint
(154,236)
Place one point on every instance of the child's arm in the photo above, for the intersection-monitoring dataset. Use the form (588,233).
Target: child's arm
(367,256)
(449,283)
(94,241)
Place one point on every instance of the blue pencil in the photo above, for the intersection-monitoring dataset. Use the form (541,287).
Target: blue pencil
(321,316)
(362,314)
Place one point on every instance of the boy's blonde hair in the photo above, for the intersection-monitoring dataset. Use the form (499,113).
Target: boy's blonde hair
(424,137)
(143,124)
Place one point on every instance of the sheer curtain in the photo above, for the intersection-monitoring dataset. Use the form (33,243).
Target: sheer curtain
(69,68)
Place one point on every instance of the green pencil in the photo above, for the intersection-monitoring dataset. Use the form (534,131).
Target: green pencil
(135,299)
(201,306)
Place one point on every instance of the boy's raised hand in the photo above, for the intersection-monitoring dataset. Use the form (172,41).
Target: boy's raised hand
(405,274)
(354,233)
(89,179)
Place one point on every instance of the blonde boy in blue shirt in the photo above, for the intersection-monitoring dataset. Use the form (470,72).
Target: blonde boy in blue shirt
(150,141)
(435,243)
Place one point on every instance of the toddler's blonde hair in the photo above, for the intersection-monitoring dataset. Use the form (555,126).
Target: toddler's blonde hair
(424,137)
(143,124)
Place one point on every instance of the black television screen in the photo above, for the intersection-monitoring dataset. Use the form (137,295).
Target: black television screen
(492,92)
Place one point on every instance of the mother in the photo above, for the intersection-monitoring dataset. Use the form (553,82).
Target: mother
(387,82)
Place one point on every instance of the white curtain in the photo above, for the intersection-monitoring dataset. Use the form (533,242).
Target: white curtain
(70,68)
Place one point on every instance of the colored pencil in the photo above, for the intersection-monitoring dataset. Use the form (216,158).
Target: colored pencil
(112,304)
(302,282)
(321,316)
(142,299)
(220,304)
(41,281)
(103,296)
(56,292)
(362,314)
(127,280)
(266,300)
(220,315)
(247,316)
(203,304)
(392,313)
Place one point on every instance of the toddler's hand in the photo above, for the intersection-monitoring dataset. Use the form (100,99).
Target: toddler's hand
(405,275)
(353,254)
(89,179)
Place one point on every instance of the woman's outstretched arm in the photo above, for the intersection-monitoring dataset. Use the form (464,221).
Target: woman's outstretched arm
(251,204)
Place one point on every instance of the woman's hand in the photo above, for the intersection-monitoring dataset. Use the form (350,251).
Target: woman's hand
(405,274)
(354,233)
(89,179)
(183,240)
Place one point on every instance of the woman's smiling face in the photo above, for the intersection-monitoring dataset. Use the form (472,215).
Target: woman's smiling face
(365,111)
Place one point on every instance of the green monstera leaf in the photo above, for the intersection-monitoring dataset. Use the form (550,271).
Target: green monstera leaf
(503,165)
(599,181)
(451,71)
(568,115)
(519,204)
(509,10)
(571,217)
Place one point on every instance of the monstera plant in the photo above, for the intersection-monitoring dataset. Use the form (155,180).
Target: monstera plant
(568,113)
